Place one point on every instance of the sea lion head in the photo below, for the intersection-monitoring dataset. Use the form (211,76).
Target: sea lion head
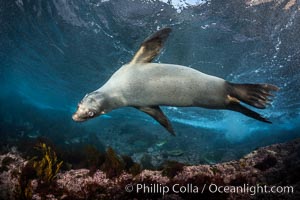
(92,105)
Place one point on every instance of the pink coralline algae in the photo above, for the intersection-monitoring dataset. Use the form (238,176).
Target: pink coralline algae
(155,176)
(275,165)
(11,165)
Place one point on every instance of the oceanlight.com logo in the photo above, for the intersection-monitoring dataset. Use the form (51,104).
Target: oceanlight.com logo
(212,188)
(252,190)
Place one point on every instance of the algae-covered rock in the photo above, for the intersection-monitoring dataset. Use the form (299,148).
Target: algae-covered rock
(258,167)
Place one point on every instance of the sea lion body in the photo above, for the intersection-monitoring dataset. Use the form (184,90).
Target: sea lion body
(153,84)
(146,86)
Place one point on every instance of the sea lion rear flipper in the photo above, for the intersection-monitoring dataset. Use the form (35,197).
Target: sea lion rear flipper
(257,95)
(151,46)
(158,115)
(236,106)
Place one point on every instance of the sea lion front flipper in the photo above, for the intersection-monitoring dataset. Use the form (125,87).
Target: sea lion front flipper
(151,46)
(158,115)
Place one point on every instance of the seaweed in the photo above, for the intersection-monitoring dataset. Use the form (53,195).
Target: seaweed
(135,169)
(128,162)
(113,165)
(172,168)
(146,162)
(48,166)
(93,158)
(131,166)
(44,169)
(90,157)
(28,173)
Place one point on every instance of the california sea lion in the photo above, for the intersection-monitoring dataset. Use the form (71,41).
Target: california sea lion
(146,86)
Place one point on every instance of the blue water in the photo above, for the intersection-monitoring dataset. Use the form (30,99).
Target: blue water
(53,52)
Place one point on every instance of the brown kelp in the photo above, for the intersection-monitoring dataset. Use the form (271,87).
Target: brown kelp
(43,168)
(48,166)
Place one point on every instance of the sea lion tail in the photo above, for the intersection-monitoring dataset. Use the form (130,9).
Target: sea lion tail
(257,95)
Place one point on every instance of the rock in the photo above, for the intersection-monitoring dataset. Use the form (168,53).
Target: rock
(275,165)
(11,165)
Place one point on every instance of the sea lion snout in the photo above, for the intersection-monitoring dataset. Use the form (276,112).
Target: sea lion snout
(84,112)
(76,118)
(80,114)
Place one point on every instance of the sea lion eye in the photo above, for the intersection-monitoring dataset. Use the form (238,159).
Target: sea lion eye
(91,113)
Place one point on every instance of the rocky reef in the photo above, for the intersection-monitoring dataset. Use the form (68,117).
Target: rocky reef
(276,166)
